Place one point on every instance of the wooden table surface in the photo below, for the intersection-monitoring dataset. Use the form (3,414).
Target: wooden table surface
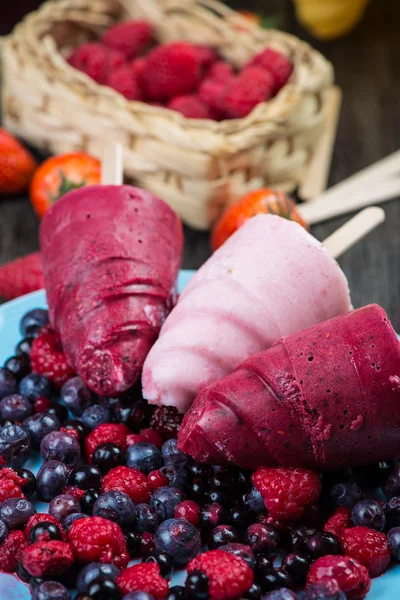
(367,65)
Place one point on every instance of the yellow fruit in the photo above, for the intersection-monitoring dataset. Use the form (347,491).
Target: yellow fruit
(330,19)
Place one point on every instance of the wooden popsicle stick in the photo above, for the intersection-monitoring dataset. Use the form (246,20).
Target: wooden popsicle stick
(112,168)
(316,179)
(322,210)
(354,230)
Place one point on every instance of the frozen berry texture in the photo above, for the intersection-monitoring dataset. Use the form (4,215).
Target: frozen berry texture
(98,540)
(352,577)
(228,575)
(144,577)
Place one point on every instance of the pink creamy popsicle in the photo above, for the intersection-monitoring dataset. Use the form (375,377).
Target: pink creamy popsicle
(326,397)
(269,279)
(111,256)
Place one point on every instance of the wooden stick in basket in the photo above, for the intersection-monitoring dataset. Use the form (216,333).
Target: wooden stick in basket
(354,230)
(112,168)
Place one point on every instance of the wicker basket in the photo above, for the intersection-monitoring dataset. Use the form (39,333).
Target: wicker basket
(198,166)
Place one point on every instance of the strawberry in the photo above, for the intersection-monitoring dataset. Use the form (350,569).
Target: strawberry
(253,86)
(124,81)
(96,60)
(17,165)
(190,107)
(48,358)
(21,276)
(278,65)
(172,70)
(130,38)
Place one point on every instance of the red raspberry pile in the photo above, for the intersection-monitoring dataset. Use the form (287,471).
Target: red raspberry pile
(193,80)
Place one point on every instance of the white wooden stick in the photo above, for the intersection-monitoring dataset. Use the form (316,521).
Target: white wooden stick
(316,179)
(324,209)
(354,230)
(112,169)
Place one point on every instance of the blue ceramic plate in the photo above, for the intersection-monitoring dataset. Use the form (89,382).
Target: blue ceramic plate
(386,587)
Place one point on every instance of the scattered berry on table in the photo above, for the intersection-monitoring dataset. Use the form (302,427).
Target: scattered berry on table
(107,456)
(178,538)
(369,547)
(33,321)
(47,559)
(144,577)
(222,535)
(146,519)
(116,506)
(297,565)
(262,539)
(228,576)
(15,445)
(164,501)
(242,551)
(319,544)
(48,358)
(156,479)
(44,531)
(196,586)
(96,60)
(130,481)
(189,510)
(114,433)
(11,551)
(62,446)
(163,560)
(75,396)
(339,520)
(63,505)
(35,385)
(129,37)
(97,539)
(85,477)
(351,576)
(144,456)
(8,383)
(51,479)
(346,494)
(368,513)
(19,366)
(40,425)
(166,421)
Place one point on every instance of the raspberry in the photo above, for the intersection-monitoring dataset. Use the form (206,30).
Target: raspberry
(189,510)
(166,420)
(123,80)
(338,521)
(11,551)
(252,86)
(190,107)
(172,70)
(134,438)
(48,358)
(353,578)
(275,63)
(207,56)
(156,479)
(47,559)
(130,481)
(41,404)
(138,67)
(144,577)
(10,485)
(228,575)
(74,491)
(98,540)
(368,546)
(129,38)
(146,544)
(43,518)
(96,60)
(221,72)
(109,432)
(210,93)
(287,492)
(151,435)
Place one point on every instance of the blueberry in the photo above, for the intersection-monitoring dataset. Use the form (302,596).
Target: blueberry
(178,477)
(262,562)
(321,544)
(196,586)
(40,425)
(16,512)
(85,477)
(15,445)
(174,457)
(19,366)
(63,505)
(133,412)
(241,551)
(44,530)
(78,427)
(324,590)
(393,537)
(262,539)
(297,565)
(254,593)
(391,486)
(273,579)
(392,512)
(88,500)
(199,471)
(116,506)
(107,456)
(298,538)
(59,411)
(281,594)
(76,396)
(144,456)
(219,495)
(212,515)
(51,590)
(368,513)
(8,383)
(164,500)
(15,408)
(197,490)
(163,560)
(70,519)
(177,592)
(146,519)
(95,572)
(255,502)
(222,535)
(133,541)
(346,494)
(33,320)
(178,538)
(3,531)
(32,386)
(62,446)
(96,415)
(24,346)
(30,482)
(239,516)
(138,596)
(104,590)
(51,479)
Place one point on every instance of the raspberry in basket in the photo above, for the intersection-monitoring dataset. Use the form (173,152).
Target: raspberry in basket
(144,577)
(242,94)
(98,540)
(48,558)
(124,81)
(368,546)
(48,358)
(275,63)
(114,433)
(96,60)
(353,578)
(190,107)
(129,38)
